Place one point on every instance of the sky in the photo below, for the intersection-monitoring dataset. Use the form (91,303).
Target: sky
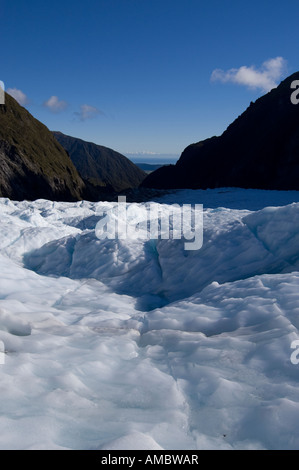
(145,77)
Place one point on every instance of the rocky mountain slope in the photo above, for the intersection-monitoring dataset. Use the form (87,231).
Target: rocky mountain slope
(260,149)
(101,166)
(32,163)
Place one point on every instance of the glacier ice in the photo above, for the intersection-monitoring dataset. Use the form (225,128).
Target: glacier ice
(120,343)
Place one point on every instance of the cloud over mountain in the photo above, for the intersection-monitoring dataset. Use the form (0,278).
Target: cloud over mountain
(87,112)
(18,95)
(264,78)
(55,105)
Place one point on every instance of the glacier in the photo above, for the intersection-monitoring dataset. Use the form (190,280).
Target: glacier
(135,344)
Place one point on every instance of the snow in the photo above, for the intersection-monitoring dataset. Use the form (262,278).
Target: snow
(140,344)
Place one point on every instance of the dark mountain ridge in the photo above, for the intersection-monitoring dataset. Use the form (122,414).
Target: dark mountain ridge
(32,163)
(260,149)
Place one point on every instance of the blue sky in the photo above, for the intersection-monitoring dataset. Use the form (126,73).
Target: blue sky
(145,75)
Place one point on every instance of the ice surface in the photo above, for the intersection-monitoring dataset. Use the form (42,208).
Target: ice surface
(131,344)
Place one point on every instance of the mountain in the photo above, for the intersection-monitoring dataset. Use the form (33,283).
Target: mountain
(260,149)
(33,164)
(101,166)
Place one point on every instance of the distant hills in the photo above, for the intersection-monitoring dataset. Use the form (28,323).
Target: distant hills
(148,167)
(260,149)
(32,163)
(101,166)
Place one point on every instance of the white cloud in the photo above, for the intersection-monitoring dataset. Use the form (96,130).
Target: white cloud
(87,112)
(55,105)
(18,95)
(265,78)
